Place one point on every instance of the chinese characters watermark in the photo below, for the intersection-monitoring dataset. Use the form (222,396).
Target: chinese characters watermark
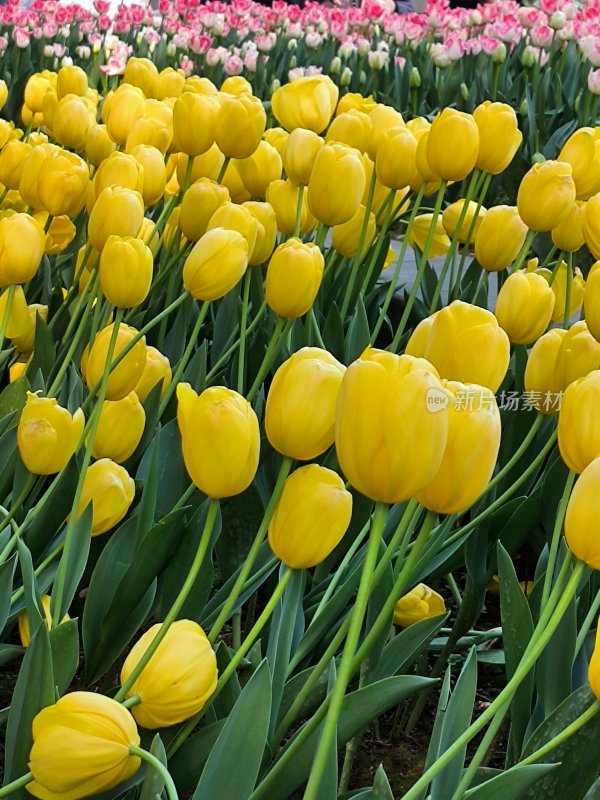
(473,400)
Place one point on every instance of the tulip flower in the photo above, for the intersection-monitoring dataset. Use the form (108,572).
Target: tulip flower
(118,212)
(260,169)
(12,157)
(524,306)
(582,152)
(48,435)
(419,233)
(499,136)
(299,154)
(39,84)
(293,278)
(382,456)
(578,422)
(119,169)
(559,289)
(266,232)
(307,102)
(472,219)
(23,621)
(120,428)
(98,145)
(581,519)
(157,369)
(110,490)
(301,404)
(142,72)
(220,439)
(500,237)
(277,137)
(199,203)
(354,100)
(178,679)
(216,264)
(73,119)
(452,144)
(471,450)
(120,110)
(345,238)
(21,320)
(578,355)
(71,80)
(170,83)
(419,604)
(283,196)
(154,177)
(29,178)
(81,747)
(311,517)
(546,195)
(396,159)
(233,217)
(63,179)
(194,123)
(22,242)
(383,118)
(594,667)
(125,271)
(353,128)
(124,377)
(240,124)
(568,235)
(336,184)
(592,301)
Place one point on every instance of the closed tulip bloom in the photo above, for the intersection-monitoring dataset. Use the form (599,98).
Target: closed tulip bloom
(157,370)
(464,343)
(582,152)
(524,307)
(383,118)
(283,197)
(220,439)
(170,83)
(591,225)
(569,234)
(30,174)
(396,160)
(355,100)
(233,181)
(500,236)
(63,183)
(110,490)
(207,165)
(346,237)
(546,195)
(266,233)
(419,233)
(260,169)
(194,123)
(578,355)
(389,445)
(3,93)
(199,85)
(499,136)
(81,747)
(177,681)
(199,203)
(237,85)
(581,519)
(559,289)
(311,517)
(419,604)
(594,667)
(579,423)
(452,144)
(216,264)
(125,271)
(73,120)
(300,152)
(240,124)
(293,278)
(98,145)
(118,212)
(471,452)
(424,171)
(142,72)
(153,171)
(48,434)
(121,110)
(150,131)
(71,80)
(336,184)
(233,217)
(472,219)
(37,86)
(124,377)
(24,339)
(12,158)
(307,102)
(24,632)
(120,428)
(353,128)
(592,301)
(301,404)
(22,242)
(119,169)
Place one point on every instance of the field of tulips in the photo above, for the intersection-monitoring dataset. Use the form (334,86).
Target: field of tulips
(299,402)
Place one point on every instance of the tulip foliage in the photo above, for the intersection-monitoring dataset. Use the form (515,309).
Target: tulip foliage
(298,414)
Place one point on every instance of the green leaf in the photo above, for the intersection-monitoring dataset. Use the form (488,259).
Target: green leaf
(153,784)
(33,691)
(13,397)
(44,351)
(31,592)
(75,561)
(241,518)
(358,333)
(172,477)
(224,702)
(512,784)
(64,644)
(381,785)
(188,762)
(8,652)
(7,574)
(405,647)
(234,762)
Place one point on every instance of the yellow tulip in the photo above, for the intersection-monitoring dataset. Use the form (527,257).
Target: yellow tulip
(64,179)
(419,233)
(25,339)
(452,144)
(559,289)
(300,152)
(12,158)
(578,354)
(118,212)
(233,217)
(396,160)
(120,428)
(266,232)
(153,171)
(277,138)
(22,241)
(125,271)
(524,306)
(260,169)
(594,667)
(216,264)
(336,184)
(578,422)
(119,169)
(194,123)
(73,120)
(472,219)
(240,124)
(539,371)
(582,152)
(98,145)
(71,80)
(353,128)
(591,225)
(568,235)
(354,100)
(500,236)
(307,102)
(48,435)
(345,238)
(124,377)
(110,490)
(157,369)
(120,110)
(199,203)
(546,195)
(419,604)
(283,196)
(142,72)
(581,519)
(499,136)
(236,85)
(383,118)
(170,83)
(24,632)
(293,278)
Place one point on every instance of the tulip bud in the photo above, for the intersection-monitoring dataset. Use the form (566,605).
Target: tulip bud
(118,212)
(48,435)
(395,163)
(170,83)
(472,217)
(578,355)
(266,231)
(346,237)
(119,169)
(293,278)
(22,333)
(24,632)
(546,195)
(591,225)
(240,124)
(419,604)
(194,123)
(301,149)
(22,241)
(336,184)
(157,369)
(142,72)
(220,439)
(63,183)
(71,80)
(578,428)
(568,235)
(592,301)
(380,455)
(582,152)
(73,120)
(110,490)
(452,144)
(124,377)
(464,343)
(277,138)
(559,290)
(499,136)
(582,515)
(99,145)
(178,679)
(95,733)
(419,233)
(354,128)
(283,197)
(12,158)
(238,218)
(199,204)
(120,428)
(260,169)
(301,404)
(121,110)
(524,307)
(471,452)
(500,237)
(383,118)
(153,171)
(307,102)
(311,517)
(216,264)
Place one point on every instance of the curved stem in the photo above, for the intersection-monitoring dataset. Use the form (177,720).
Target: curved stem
(555,541)
(361,240)
(156,764)
(345,669)
(279,332)
(561,737)
(284,471)
(15,785)
(243,321)
(523,251)
(223,169)
(518,453)
(132,701)
(225,355)
(171,616)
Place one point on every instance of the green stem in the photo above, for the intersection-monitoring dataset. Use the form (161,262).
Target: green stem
(156,764)
(225,355)
(223,169)
(561,737)
(345,669)
(481,751)
(281,327)
(6,317)
(393,283)
(587,624)
(15,785)
(523,251)
(568,291)
(9,519)
(243,322)
(284,471)
(529,659)
(299,204)
(555,541)
(388,211)
(455,279)
(132,701)
(537,423)
(359,254)
(81,300)
(315,327)
(421,268)
(171,616)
